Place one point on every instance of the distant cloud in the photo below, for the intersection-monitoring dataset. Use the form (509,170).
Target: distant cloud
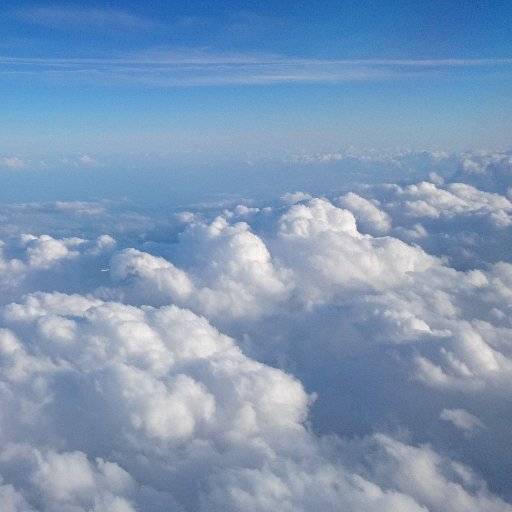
(79,207)
(88,161)
(487,170)
(427,200)
(77,160)
(14,162)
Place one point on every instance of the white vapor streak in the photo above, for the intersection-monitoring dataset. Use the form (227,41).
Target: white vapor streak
(201,67)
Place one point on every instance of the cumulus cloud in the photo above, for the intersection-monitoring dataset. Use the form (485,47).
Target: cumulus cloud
(330,256)
(436,483)
(315,352)
(370,218)
(173,400)
(232,272)
(426,200)
(452,219)
(44,262)
(487,171)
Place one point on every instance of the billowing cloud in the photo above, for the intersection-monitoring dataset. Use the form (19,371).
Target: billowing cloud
(369,217)
(229,271)
(426,200)
(314,352)
(159,395)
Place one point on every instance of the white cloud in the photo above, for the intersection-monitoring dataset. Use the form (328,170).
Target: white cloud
(427,200)
(43,250)
(329,255)
(80,207)
(232,272)
(159,277)
(169,406)
(295,197)
(455,220)
(367,213)
(14,162)
(435,483)
(199,66)
(294,356)
(69,481)
(487,171)
(461,419)
(45,262)
(88,161)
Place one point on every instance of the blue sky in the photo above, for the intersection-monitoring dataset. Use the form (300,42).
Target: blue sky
(237,78)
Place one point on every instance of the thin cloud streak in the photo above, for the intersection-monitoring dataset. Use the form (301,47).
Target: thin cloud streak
(196,67)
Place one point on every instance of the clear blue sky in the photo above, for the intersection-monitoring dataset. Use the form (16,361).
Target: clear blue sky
(159,77)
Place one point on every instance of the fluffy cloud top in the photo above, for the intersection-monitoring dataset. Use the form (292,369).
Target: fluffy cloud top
(368,215)
(426,200)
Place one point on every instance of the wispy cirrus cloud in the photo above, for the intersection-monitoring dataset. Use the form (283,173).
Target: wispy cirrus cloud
(203,66)
(62,17)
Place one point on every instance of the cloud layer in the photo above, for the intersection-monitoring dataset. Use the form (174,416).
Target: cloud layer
(203,67)
(339,352)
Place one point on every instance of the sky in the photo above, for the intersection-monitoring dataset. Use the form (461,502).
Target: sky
(255,256)
(165,81)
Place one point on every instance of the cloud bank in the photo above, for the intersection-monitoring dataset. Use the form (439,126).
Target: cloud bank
(340,352)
